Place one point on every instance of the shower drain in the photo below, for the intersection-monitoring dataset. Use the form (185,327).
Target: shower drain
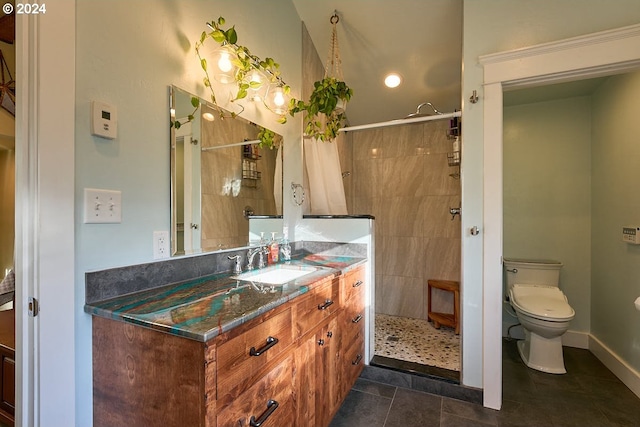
(392,338)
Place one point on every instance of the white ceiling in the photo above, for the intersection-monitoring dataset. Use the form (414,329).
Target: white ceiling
(419,39)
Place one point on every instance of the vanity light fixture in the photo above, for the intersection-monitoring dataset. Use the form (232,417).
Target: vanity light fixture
(224,57)
(392,80)
(277,99)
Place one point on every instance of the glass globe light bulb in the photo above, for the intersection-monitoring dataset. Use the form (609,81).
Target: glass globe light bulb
(224,63)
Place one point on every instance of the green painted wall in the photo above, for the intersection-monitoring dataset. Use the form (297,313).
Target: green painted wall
(547,200)
(616,203)
(491,26)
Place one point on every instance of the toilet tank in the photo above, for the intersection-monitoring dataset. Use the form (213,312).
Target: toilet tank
(531,271)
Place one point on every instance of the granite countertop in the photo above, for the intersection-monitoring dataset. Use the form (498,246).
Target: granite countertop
(203,308)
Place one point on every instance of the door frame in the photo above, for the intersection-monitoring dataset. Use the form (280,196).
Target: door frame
(594,55)
(45,205)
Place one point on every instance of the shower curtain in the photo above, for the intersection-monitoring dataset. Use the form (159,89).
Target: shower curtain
(326,189)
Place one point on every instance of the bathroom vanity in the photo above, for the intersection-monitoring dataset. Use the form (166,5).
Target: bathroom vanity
(223,351)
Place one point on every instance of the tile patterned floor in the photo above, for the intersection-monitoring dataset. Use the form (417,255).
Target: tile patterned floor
(416,340)
(588,395)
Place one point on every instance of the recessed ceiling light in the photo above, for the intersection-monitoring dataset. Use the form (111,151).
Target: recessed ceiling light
(392,80)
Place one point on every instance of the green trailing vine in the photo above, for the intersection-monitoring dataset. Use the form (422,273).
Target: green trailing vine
(324,101)
(323,115)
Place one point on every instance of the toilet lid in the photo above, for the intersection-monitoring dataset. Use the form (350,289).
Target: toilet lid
(541,301)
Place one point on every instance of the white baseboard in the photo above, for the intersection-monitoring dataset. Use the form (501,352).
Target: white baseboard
(576,339)
(621,369)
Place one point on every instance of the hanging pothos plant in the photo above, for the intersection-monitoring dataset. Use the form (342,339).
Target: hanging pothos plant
(325,108)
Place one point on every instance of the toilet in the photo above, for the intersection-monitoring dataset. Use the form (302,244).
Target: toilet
(542,309)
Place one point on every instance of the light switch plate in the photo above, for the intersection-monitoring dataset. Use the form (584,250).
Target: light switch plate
(102,206)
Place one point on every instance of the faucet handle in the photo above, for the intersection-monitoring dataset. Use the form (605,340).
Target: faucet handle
(237,268)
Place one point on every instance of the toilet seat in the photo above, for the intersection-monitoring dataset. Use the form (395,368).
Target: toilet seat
(541,302)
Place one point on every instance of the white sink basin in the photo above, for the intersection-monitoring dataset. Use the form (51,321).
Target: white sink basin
(275,275)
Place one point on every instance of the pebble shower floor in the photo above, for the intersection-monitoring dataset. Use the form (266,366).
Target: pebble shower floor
(416,340)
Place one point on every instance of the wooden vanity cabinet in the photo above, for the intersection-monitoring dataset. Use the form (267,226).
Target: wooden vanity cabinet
(352,325)
(291,366)
(7,367)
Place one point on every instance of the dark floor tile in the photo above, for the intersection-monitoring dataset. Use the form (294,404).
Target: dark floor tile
(414,408)
(386,376)
(519,414)
(581,361)
(451,420)
(416,369)
(510,351)
(467,394)
(362,409)
(571,414)
(621,410)
(372,387)
(597,386)
(469,411)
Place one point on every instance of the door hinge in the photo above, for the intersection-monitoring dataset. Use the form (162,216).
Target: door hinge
(34,307)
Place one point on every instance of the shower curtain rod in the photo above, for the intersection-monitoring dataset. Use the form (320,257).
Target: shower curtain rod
(402,121)
(235,144)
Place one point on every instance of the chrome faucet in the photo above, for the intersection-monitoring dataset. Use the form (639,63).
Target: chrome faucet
(260,251)
(262,262)
(250,255)
(237,267)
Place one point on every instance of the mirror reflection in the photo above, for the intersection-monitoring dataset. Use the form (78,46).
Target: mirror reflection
(220,177)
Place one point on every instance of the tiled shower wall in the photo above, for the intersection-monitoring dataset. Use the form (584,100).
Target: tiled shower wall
(400,174)
(223,224)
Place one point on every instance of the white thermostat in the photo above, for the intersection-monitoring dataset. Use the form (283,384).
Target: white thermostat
(631,235)
(104,120)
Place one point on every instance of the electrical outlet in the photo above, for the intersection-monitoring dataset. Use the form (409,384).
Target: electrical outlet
(160,244)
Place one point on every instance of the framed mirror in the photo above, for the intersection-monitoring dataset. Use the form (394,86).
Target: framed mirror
(220,178)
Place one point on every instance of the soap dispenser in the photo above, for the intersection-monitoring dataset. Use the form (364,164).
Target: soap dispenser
(285,250)
(274,249)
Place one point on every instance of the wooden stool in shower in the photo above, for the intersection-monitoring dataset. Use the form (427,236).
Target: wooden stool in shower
(446,319)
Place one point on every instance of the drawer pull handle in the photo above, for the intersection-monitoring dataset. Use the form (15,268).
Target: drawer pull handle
(326,304)
(357,361)
(357,318)
(358,283)
(329,334)
(271,341)
(272,405)
(320,342)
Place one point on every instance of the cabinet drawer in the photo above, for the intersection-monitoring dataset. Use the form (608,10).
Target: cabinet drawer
(354,285)
(243,359)
(352,325)
(319,305)
(258,401)
(352,364)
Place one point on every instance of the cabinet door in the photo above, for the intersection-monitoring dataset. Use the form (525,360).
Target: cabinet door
(8,382)
(318,375)
(329,343)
